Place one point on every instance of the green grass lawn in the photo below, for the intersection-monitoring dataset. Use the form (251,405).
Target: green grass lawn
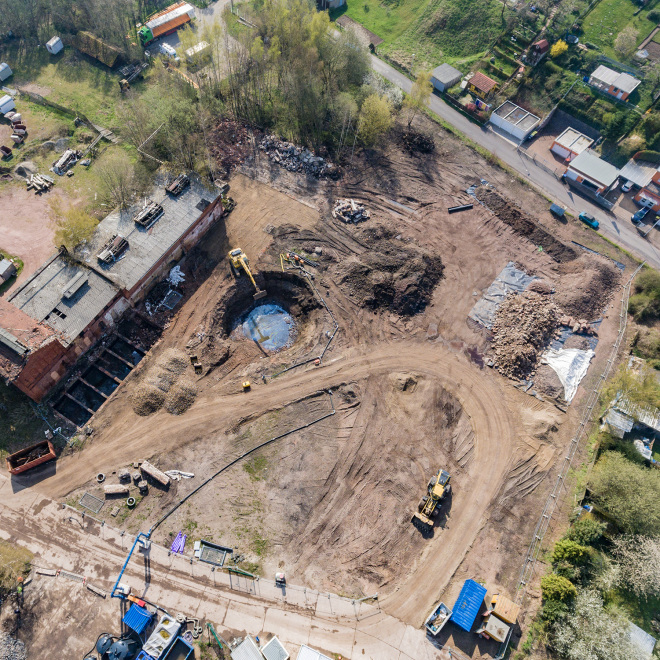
(20,426)
(436,31)
(609,17)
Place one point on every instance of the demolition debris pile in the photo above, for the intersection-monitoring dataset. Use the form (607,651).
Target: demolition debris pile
(348,210)
(296,159)
(523,325)
(11,649)
(230,144)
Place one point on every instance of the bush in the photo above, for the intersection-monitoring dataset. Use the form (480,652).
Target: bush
(558,48)
(650,156)
(557,588)
(644,305)
(586,531)
(654,16)
(570,552)
(551,67)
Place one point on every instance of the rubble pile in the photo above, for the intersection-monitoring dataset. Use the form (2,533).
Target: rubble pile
(523,325)
(418,142)
(348,210)
(10,648)
(230,144)
(581,326)
(296,159)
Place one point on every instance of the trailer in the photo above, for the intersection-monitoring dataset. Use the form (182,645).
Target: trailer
(29,458)
(437,619)
(165,22)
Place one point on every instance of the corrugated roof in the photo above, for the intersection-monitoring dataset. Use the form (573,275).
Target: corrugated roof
(619,420)
(482,82)
(307,653)
(639,172)
(247,650)
(137,618)
(42,297)
(447,74)
(146,246)
(594,167)
(642,640)
(468,604)
(177,12)
(274,650)
(622,81)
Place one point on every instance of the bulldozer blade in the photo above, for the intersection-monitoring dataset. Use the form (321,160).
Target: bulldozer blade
(259,295)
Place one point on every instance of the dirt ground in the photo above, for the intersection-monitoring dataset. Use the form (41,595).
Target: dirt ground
(331,504)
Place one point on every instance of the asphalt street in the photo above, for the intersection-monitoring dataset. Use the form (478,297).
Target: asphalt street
(615,226)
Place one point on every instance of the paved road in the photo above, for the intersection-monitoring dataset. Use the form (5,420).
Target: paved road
(617,227)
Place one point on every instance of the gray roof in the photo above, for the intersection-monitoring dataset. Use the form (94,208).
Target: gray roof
(247,650)
(642,640)
(447,74)
(619,420)
(65,296)
(623,81)
(146,246)
(594,167)
(516,115)
(308,653)
(274,650)
(639,172)
(7,269)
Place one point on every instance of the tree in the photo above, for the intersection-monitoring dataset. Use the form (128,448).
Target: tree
(652,76)
(638,560)
(557,588)
(118,178)
(628,492)
(558,48)
(375,119)
(73,224)
(637,386)
(625,43)
(419,95)
(586,531)
(569,551)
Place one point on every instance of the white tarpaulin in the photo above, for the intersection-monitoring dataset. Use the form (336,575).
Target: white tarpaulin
(571,365)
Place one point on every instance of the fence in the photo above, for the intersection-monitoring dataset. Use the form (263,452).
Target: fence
(535,547)
(540,163)
(591,194)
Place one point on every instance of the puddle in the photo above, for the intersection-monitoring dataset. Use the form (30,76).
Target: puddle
(271,326)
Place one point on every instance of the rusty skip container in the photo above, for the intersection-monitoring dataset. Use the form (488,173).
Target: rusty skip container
(28,458)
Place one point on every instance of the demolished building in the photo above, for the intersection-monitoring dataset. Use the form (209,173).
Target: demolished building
(74,299)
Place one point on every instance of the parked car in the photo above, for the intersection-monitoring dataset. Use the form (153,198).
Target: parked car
(589,219)
(169,51)
(626,186)
(639,215)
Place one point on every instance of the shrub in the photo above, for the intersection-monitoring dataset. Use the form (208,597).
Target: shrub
(558,48)
(551,67)
(586,531)
(570,552)
(654,16)
(650,156)
(555,587)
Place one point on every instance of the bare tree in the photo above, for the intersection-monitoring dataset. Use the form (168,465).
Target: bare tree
(638,560)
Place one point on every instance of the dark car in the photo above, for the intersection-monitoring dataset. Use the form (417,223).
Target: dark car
(589,219)
(639,216)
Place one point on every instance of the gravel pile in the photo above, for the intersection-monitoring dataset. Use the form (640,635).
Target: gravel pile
(523,325)
(174,360)
(11,649)
(296,159)
(180,397)
(147,399)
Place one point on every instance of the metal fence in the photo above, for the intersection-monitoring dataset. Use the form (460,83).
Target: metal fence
(539,162)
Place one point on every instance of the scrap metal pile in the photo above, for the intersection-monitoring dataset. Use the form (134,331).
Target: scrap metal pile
(296,159)
(348,210)
(523,325)
(66,161)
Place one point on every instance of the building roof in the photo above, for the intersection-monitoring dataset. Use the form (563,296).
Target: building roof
(573,140)
(642,640)
(517,116)
(247,650)
(273,650)
(496,628)
(623,81)
(7,269)
(54,41)
(647,415)
(639,172)
(447,74)
(65,296)
(146,246)
(307,653)
(594,167)
(468,604)
(619,420)
(505,608)
(482,82)
(541,46)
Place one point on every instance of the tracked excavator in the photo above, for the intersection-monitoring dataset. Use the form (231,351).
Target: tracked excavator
(238,260)
(429,506)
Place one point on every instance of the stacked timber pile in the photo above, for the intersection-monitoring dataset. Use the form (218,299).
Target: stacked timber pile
(348,210)
(296,159)
(40,183)
(523,325)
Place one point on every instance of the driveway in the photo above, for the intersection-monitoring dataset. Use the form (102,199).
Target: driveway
(615,226)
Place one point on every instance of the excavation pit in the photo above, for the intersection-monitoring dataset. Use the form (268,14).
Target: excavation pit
(269,325)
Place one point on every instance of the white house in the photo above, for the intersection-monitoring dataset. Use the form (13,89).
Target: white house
(592,171)
(514,120)
(54,46)
(570,143)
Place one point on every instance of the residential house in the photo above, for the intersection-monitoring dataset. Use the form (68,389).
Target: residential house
(537,51)
(444,77)
(75,299)
(649,195)
(481,85)
(618,85)
(515,121)
(570,143)
(592,172)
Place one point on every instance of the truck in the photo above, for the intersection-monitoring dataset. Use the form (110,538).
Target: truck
(437,491)
(437,619)
(165,22)
(30,457)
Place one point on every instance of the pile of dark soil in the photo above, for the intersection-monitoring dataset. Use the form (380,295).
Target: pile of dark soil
(586,286)
(230,144)
(523,224)
(147,399)
(417,142)
(391,276)
(180,397)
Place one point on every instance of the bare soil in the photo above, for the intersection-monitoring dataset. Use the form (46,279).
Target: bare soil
(330,505)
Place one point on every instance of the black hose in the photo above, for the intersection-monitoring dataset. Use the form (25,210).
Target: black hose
(237,460)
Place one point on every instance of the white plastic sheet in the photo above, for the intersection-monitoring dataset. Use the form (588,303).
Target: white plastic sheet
(571,365)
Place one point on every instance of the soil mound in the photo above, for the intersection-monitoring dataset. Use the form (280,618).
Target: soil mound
(180,397)
(147,399)
(391,276)
(174,361)
(523,224)
(523,325)
(586,286)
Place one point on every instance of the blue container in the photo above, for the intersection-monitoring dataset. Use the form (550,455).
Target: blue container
(468,604)
(137,618)
(180,650)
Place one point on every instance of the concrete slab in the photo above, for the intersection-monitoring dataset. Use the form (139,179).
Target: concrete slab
(332,638)
(369,648)
(288,626)
(243,617)
(385,628)
(416,645)
(211,609)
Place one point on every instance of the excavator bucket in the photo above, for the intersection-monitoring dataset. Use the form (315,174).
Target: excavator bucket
(259,295)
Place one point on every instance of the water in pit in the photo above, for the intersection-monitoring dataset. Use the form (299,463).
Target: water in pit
(270,326)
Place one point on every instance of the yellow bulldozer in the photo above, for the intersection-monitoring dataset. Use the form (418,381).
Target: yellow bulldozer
(429,506)
(237,261)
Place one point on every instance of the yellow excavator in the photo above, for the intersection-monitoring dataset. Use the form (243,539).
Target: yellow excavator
(238,260)
(429,506)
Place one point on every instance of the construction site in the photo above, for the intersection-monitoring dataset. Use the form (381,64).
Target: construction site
(341,344)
